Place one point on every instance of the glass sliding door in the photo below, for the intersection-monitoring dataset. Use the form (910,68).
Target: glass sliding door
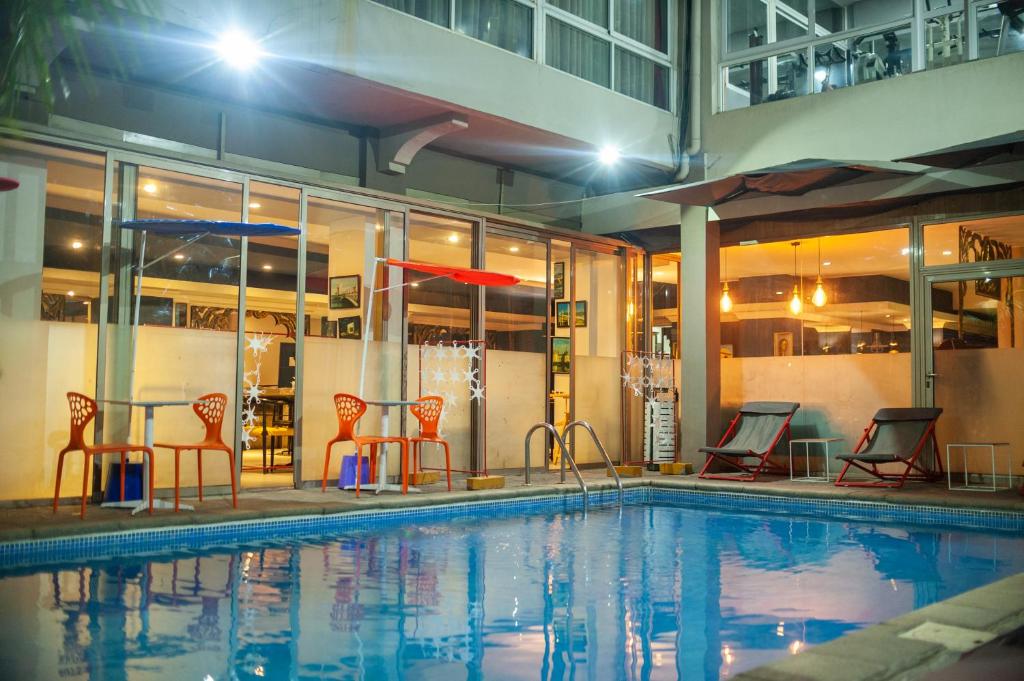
(514,322)
(268,423)
(344,241)
(188,316)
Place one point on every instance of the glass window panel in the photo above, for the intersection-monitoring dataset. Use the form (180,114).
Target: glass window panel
(641,78)
(840,360)
(577,52)
(944,40)
(746,23)
(790,19)
(504,23)
(59,204)
(434,11)
(1000,29)
(829,17)
(516,332)
(594,11)
(1000,238)
(766,80)
(862,59)
(830,67)
(645,21)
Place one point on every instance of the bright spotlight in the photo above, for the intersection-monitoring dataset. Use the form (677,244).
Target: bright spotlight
(820,75)
(608,155)
(238,50)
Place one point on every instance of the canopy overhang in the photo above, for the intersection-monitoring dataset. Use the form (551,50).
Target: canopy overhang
(213,227)
(999,149)
(464,275)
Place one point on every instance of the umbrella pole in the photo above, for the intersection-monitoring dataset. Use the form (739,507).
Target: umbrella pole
(135,321)
(367,329)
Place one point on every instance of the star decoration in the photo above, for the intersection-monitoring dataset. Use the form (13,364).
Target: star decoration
(252,392)
(439,376)
(476,392)
(455,375)
(469,375)
(259,342)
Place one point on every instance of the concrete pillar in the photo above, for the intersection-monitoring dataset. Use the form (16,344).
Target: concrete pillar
(700,336)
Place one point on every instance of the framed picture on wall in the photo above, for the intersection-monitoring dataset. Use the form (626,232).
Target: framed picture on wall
(344,292)
(581,313)
(783,343)
(560,358)
(350,327)
(328,328)
(558,280)
(562,314)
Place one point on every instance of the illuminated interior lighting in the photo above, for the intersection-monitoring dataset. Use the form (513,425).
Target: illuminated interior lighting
(76,245)
(819,298)
(795,305)
(238,50)
(71,294)
(827,263)
(255,204)
(609,155)
(179,256)
(904,251)
(778,293)
(268,267)
(453,238)
(415,284)
(149,188)
(726,300)
(513,249)
(820,75)
(947,253)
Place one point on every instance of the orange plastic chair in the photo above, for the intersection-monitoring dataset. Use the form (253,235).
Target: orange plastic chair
(349,409)
(210,410)
(83,410)
(428,413)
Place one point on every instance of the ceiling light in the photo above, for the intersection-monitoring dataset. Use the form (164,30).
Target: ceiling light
(609,155)
(453,238)
(268,267)
(238,50)
(513,249)
(947,253)
(904,251)
(795,304)
(415,284)
(819,298)
(71,294)
(726,300)
(778,293)
(76,245)
(820,75)
(827,263)
(149,188)
(179,256)
(255,204)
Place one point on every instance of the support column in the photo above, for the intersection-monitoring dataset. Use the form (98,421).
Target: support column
(699,335)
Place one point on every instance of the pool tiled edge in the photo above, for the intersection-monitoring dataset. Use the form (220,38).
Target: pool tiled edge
(880,653)
(511,502)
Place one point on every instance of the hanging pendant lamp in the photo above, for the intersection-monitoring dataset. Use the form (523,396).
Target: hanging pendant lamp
(726,302)
(796,306)
(820,297)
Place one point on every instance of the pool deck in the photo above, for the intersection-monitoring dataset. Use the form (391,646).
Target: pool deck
(37,521)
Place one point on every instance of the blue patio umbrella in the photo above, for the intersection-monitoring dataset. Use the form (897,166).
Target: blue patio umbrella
(196,229)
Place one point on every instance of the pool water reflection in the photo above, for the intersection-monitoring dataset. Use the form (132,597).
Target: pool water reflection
(655,592)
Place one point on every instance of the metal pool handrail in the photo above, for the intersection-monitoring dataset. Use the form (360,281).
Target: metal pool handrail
(600,447)
(565,456)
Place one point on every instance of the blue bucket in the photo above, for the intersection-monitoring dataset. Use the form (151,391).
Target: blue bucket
(348,472)
(132,482)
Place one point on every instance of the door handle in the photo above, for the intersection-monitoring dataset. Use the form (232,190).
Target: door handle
(931,374)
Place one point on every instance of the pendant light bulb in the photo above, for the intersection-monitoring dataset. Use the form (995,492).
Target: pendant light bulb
(726,300)
(819,298)
(795,305)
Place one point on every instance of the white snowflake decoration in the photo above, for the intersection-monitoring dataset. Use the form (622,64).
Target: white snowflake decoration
(446,370)
(257,344)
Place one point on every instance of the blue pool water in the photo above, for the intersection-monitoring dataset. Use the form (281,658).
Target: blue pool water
(651,592)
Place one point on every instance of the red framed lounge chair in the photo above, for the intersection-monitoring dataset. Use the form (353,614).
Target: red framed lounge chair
(753,434)
(895,436)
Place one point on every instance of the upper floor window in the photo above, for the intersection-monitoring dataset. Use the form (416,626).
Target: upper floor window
(776,49)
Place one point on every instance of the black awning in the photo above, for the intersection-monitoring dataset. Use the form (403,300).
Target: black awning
(791,179)
(1000,149)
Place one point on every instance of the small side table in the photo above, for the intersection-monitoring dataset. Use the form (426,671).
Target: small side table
(807,442)
(991,447)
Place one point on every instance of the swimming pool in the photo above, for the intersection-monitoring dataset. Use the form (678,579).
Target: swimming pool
(652,591)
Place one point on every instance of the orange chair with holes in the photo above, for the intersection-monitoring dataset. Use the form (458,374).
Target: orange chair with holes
(349,409)
(210,410)
(83,410)
(428,413)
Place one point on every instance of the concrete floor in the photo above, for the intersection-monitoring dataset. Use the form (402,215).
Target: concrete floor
(38,521)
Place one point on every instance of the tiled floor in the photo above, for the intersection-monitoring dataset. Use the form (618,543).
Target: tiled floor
(39,522)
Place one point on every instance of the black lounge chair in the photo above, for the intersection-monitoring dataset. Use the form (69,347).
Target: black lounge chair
(752,434)
(895,436)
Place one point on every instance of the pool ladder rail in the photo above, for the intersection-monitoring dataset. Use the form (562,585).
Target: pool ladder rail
(569,454)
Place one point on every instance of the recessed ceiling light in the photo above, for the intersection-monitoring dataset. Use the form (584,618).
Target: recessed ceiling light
(513,249)
(149,188)
(179,256)
(826,263)
(71,294)
(904,251)
(238,50)
(453,238)
(778,293)
(255,204)
(268,267)
(415,284)
(76,245)
(947,253)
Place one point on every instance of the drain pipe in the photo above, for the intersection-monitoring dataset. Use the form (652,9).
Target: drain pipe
(692,81)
